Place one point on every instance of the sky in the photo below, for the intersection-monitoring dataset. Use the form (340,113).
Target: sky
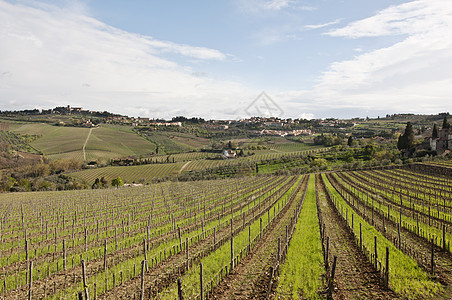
(228,59)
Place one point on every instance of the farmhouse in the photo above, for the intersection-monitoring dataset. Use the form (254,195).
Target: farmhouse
(443,142)
(229,154)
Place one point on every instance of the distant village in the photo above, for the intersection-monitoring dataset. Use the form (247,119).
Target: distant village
(264,126)
(270,126)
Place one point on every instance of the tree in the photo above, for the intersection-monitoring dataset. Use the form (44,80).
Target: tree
(350,141)
(319,162)
(406,140)
(435,132)
(96,184)
(446,124)
(117,182)
(369,152)
(103,182)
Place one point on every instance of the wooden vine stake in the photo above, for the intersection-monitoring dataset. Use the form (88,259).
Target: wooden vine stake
(85,282)
(327,252)
(188,255)
(269,287)
(27,257)
(30,281)
(145,253)
(432,256)
(331,282)
(180,238)
(64,255)
(201,283)
(232,253)
(375,251)
(143,264)
(105,256)
(387,268)
(179,289)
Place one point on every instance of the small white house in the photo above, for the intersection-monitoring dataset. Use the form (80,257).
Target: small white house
(229,154)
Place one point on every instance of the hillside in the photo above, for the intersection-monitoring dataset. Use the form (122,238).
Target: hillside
(142,150)
(104,143)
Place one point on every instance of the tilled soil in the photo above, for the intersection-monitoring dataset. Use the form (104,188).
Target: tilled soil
(355,277)
(249,280)
(416,244)
(165,273)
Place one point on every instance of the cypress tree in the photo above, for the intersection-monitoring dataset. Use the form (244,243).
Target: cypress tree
(446,124)
(435,132)
(406,141)
(350,141)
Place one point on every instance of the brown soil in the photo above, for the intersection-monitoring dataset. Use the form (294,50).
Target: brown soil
(412,244)
(162,274)
(355,277)
(166,272)
(249,280)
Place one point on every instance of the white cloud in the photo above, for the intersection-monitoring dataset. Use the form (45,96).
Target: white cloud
(186,50)
(277,4)
(318,26)
(416,17)
(257,6)
(52,56)
(412,75)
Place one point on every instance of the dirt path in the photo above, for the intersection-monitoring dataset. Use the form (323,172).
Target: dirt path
(86,142)
(355,277)
(183,167)
(249,279)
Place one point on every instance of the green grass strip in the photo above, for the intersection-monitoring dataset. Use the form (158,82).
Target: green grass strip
(301,275)
(405,276)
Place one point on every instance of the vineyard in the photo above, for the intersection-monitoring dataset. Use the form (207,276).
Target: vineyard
(164,166)
(131,174)
(381,233)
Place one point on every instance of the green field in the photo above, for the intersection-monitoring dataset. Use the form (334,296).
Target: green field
(130,174)
(109,142)
(175,142)
(104,143)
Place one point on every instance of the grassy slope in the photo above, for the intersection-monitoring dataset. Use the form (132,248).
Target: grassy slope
(112,141)
(176,142)
(67,142)
(55,141)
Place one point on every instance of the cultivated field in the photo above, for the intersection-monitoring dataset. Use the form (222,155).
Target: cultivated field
(370,234)
(183,162)
(106,142)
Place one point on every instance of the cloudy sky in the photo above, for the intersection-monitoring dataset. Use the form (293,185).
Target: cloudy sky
(153,58)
